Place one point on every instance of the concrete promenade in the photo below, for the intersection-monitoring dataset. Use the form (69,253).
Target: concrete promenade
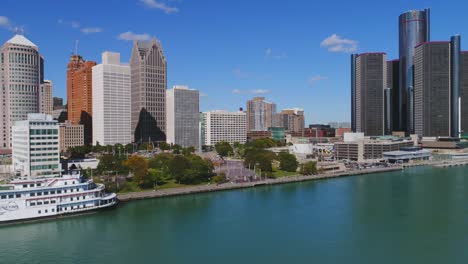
(233,186)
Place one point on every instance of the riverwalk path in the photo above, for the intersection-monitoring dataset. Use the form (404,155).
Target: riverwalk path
(232,186)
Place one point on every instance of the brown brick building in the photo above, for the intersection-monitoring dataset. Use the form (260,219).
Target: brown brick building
(79,94)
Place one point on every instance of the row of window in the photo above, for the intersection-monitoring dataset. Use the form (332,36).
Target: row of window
(41,203)
(44,167)
(44,131)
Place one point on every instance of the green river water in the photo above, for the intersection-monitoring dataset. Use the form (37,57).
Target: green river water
(415,216)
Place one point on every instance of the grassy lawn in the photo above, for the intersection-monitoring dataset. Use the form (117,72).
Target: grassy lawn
(277,173)
(133,187)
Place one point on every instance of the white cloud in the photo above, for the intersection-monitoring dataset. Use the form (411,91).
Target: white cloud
(75,24)
(91,30)
(130,36)
(160,5)
(269,54)
(255,91)
(335,43)
(316,78)
(241,74)
(5,22)
(260,91)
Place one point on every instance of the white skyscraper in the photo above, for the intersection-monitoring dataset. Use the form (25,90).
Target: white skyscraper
(20,78)
(111,101)
(226,126)
(182,116)
(35,146)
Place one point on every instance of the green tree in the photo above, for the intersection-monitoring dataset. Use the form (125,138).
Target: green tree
(79,152)
(106,163)
(176,149)
(188,151)
(139,166)
(161,162)
(263,143)
(158,177)
(259,158)
(223,149)
(220,178)
(178,166)
(129,148)
(164,146)
(288,162)
(309,168)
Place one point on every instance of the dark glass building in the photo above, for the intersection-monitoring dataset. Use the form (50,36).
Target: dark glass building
(391,95)
(414,29)
(353,92)
(370,80)
(432,78)
(455,43)
(464,93)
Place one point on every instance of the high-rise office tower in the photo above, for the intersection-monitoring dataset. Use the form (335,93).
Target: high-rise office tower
(353,92)
(183,116)
(370,71)
(464,93)
(21,79)
(260,114)
(79,94)
(432,78)
(414,29)
(455,100)
(391,95)
(46,105)
(292,120)
(148,94)
(111,101)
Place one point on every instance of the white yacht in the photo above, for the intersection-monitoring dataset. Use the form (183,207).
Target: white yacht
(25,199)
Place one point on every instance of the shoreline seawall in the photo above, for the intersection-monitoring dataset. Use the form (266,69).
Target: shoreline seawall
(151,194)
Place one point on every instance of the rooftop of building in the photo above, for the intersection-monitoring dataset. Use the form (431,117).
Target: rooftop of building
(19,39)
(224,112)
(432,42)
(182,87)
(372,53)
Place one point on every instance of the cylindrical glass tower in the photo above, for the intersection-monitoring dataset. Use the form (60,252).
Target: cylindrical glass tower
(414,27)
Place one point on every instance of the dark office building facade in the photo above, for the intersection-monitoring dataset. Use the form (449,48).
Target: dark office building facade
(432,78)
(414,29)
(391,95)
(464,93)
(353,92)
(369,70)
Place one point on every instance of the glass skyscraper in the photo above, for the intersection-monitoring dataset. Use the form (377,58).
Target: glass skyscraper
(414,28)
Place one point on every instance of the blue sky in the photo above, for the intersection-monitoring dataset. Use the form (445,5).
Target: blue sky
(232,50)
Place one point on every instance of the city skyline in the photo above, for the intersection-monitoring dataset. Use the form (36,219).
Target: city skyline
(228,72)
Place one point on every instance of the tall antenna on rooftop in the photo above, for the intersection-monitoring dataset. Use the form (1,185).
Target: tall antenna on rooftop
(76,47)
